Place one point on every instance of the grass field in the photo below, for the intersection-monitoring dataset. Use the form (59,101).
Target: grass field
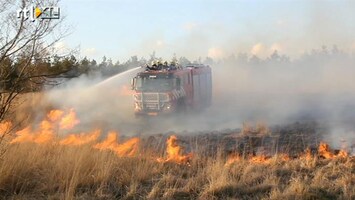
(40,162)
(54,171)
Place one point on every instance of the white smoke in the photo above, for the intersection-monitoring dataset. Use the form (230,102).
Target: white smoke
(316,87)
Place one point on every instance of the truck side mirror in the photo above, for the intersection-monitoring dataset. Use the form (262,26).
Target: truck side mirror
(133,83)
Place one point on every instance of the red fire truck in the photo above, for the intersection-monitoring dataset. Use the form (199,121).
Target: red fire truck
(170,88)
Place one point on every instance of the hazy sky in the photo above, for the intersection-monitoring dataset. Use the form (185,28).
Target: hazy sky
(193,28)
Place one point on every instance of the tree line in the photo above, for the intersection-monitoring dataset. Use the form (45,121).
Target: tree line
(71,67)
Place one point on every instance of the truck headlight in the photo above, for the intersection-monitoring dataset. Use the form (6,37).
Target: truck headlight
(138,106)
(167,106)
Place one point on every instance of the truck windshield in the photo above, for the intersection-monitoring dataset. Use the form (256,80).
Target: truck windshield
(154,84)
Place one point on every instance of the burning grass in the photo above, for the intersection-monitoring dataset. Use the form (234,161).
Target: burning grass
(40,163)
(30,170)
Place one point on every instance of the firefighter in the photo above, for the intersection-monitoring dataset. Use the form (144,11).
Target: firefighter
(147,67)
(173,64)
(154,65)
(166,65)
(159,65)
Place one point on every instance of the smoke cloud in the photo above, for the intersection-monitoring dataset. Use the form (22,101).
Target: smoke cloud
(317,87)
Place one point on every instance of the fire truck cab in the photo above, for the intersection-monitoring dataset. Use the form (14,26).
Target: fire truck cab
(168,89)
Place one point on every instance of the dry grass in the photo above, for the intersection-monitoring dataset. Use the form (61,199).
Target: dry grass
(31,171)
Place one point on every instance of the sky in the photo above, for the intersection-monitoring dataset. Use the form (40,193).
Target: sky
(119,29)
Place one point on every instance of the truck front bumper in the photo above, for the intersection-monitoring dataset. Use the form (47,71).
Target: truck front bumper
(153,109)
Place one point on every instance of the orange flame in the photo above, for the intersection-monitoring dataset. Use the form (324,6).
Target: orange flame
(259,159)
(284,157)
(307,155)
(69,121)
(174,152)
(5,128)
(232,159)
(342,154)
(324,150)
(256,159)
(80,139)
(23,135)
(109,143)
(45,131)
(44,135)
(56,120)
(55,115)
(128,148)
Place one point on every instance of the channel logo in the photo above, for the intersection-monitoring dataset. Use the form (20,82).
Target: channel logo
(34,13)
